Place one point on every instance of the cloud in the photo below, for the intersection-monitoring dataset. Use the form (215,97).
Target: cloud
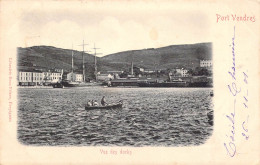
(114,32)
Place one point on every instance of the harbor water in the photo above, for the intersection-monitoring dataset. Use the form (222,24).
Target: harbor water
(149,117)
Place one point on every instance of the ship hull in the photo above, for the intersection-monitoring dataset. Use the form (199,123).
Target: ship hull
(70,84)
(89,84)
(82,84)
(57,85)
(200,84)
(164,84)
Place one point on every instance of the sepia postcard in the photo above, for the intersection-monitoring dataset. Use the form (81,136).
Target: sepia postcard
(129,82)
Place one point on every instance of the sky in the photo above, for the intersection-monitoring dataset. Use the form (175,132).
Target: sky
(113,29)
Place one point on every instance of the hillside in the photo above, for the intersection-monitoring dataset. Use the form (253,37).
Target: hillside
(165,57)
(48,57)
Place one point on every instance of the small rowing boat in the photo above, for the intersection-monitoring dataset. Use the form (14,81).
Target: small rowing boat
(110,106)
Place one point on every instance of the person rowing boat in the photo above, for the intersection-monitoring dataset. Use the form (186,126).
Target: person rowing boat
(104,104)
(103,101)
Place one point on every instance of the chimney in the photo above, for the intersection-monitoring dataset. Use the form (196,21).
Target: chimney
(132,68)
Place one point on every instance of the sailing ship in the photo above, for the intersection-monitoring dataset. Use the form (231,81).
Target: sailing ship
(71,82)
(84,83)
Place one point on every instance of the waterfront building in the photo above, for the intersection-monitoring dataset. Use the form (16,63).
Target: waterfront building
(149,71)
(206,63)
(72,76)
(29,77)
(138,69)
(47,77)
(57,70)
(180,72)
(104,76)
(25,76)
(37,77)
(115,74)
(55,77)
(79,77)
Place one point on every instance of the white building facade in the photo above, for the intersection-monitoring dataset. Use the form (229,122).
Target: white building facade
(182,72)
(55,77)
(75,77)
(39,77)
(206,63)
(25,76)
(104,77)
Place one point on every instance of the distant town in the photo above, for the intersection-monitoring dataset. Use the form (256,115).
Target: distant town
(41,77)
(171,66)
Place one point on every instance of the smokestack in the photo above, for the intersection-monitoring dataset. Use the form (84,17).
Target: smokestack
(132,68)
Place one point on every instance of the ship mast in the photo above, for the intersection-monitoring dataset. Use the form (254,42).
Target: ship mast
(132,68)
(83,65)
(95,57)
(72,53)
(72,59)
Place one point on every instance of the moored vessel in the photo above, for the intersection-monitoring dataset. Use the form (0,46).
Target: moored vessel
(68,83)
(71,82)
(174,83)
(58,85)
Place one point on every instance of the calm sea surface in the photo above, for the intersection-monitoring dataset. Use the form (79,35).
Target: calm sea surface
(149,117)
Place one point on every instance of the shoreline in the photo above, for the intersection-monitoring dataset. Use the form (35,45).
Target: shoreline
(48,87)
